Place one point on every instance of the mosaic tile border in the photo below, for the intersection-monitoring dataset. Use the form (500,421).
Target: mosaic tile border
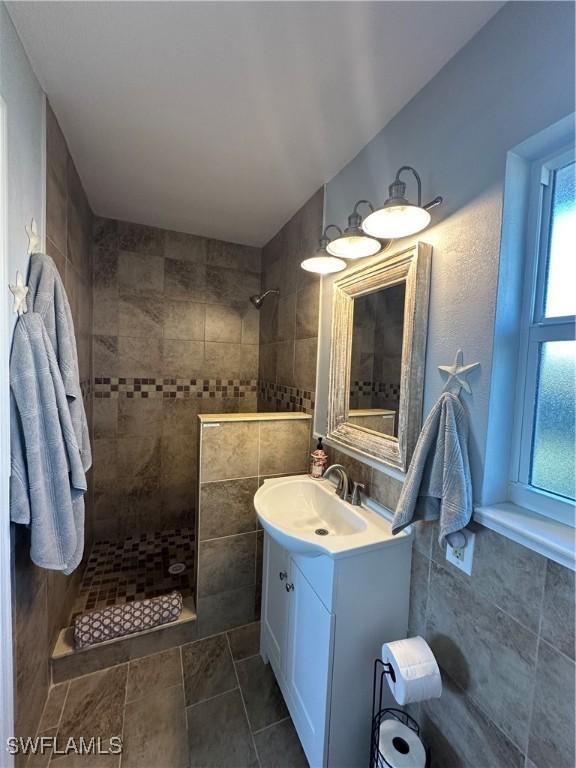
(283,398)
(375,387)
(117,386)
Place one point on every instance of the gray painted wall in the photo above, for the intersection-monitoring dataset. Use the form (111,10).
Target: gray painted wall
(24,99)
(513,79)
(24,103)
(504,637)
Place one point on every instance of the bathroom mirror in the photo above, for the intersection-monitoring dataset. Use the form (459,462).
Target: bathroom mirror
(377,356)
(376,359)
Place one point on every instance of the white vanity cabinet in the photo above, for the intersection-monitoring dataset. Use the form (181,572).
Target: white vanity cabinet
(323,623)
(276,570)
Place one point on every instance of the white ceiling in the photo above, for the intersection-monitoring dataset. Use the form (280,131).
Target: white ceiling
(221,118)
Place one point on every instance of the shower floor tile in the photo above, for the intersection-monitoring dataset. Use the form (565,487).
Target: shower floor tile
(136,568)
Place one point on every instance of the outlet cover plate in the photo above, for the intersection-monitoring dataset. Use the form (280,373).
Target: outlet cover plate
(462,557)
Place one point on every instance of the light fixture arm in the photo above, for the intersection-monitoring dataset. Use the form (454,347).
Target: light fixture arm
(331,226)
(433,203)
(362,202)
(416,176)
(325,238)
(355,220)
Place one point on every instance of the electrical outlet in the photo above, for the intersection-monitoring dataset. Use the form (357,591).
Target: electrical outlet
(462,557)
(458,553)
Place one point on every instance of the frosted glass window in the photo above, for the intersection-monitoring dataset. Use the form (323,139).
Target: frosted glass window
(543,468)
(561,279)
(553,454)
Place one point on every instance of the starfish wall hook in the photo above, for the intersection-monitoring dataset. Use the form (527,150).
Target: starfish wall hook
(19,291)
(33,238)
(457,373)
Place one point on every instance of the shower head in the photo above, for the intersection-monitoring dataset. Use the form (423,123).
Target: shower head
(259,300)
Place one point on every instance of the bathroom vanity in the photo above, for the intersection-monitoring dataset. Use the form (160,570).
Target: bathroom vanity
(329,602)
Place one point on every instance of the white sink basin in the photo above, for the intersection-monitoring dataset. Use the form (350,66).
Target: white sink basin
(306,516)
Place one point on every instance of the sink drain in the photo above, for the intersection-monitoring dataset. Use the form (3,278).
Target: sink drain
(321,532)
(176,568)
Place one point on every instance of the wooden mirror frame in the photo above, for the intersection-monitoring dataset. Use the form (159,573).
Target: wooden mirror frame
(411,266)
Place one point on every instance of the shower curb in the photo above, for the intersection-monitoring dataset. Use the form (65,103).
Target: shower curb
(67,663)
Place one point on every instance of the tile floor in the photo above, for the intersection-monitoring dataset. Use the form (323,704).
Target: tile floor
(208,704)
(136,568)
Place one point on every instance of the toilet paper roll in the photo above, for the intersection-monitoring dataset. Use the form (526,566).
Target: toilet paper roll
(415,669)
(400,746)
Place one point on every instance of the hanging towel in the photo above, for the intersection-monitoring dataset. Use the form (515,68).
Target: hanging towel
(48,481)
(48,298)
(438,483)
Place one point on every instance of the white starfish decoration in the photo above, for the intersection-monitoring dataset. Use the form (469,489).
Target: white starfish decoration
(20,292)
(457,373)
(33,238)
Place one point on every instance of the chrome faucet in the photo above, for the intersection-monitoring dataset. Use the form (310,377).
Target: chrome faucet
(356,498)
(343,487)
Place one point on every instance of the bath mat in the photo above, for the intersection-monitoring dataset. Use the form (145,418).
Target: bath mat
(119,620)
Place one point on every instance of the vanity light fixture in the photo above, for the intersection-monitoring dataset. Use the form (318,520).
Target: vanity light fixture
(398,217)
(354,243)
(322,263)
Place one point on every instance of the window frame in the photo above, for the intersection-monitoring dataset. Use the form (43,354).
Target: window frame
(534,330)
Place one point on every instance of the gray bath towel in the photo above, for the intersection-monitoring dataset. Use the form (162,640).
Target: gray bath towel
(438,483)
(47,482)
(48,298)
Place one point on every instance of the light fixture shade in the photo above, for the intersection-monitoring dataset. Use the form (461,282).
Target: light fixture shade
(396,220)
(354,246)
(323,265)
(353,243)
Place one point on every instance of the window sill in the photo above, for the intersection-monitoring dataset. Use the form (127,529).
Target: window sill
(544,535)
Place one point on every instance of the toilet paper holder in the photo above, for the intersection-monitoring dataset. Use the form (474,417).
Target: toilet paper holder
(388,669)
(381,713)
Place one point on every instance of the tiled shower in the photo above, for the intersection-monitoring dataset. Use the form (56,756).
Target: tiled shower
(174,335)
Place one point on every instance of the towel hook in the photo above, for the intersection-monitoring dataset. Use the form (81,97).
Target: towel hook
(33,238)
(19,291)
(457,373)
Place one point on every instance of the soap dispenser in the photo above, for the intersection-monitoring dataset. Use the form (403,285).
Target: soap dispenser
(319,460)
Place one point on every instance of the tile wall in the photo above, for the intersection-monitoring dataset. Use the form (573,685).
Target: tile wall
(235,458)
(174,336)
(289,322)
(504,639)
(43,599)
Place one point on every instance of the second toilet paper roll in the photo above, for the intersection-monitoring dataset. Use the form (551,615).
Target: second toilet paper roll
(400,746)
(415,669)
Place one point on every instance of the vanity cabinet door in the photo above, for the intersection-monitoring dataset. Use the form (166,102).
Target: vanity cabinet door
(275,601)
(309,665)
